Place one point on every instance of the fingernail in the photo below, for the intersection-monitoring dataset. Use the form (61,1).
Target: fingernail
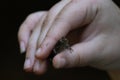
(61,62)
(22,47)
(27,64)
(36,66)
(38,52)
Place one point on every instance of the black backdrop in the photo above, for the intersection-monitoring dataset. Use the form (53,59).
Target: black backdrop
(11,62)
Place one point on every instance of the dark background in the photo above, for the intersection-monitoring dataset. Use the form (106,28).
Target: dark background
(12,14)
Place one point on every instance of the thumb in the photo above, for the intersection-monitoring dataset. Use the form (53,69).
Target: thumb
(82,54)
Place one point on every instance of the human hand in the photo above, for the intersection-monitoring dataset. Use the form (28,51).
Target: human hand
(98,44)
(28,35)
(96,37)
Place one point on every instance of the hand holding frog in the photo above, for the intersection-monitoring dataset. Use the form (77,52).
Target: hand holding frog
(97,45)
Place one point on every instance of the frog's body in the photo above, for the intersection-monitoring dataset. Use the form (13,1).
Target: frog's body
(61,45)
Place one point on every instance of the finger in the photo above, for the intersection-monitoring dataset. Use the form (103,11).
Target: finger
(40,67)
(82,54)
(50,19)
(52,14)
(32,45)
(60,27)
(47,23)
(26,29)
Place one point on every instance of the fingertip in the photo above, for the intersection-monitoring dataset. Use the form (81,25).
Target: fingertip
(39,68)
(38,53)
(36,68)
(27,65)
(22,47)
(44,51)
(59,61)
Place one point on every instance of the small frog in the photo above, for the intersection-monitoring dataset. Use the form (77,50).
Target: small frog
(61,45)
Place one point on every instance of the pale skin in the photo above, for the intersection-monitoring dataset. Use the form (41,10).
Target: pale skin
(97,46)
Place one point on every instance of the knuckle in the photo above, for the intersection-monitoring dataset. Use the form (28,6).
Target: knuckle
(31,18)
(36,14)
(31,15)
(82,61)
